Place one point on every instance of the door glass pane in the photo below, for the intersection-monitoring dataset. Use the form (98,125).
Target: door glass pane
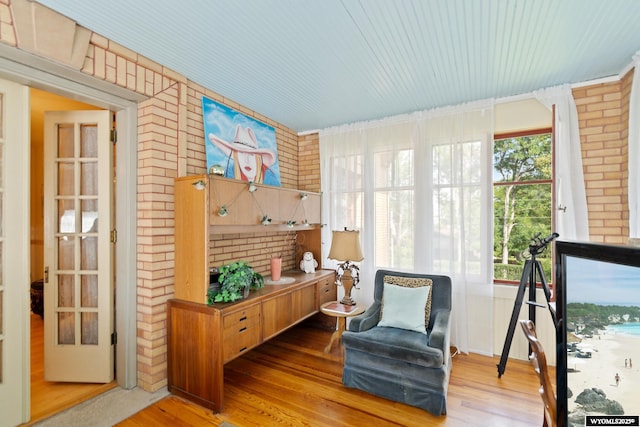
(66,259)
(66,328)
(88,141)
(66,291)
(89,290)
(65,140)
(89,179)
(66,216)
(89,330)
(89,253)
(90,216)
(65,179)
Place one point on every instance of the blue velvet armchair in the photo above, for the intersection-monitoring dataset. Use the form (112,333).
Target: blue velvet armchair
(398,364)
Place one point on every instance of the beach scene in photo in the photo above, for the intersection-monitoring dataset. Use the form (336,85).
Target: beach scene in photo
(603,339)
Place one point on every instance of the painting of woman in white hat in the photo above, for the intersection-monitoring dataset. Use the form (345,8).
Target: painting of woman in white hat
(250,162)
(244,148)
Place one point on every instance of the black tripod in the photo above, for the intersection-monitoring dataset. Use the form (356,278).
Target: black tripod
(532,268)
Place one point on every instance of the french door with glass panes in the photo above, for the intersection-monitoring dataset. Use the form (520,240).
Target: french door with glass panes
(78,251)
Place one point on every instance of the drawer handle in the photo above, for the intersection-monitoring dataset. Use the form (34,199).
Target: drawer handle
(243,329)
(243,318)
(243,349)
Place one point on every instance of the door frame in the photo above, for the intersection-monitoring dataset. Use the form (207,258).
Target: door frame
(25,68)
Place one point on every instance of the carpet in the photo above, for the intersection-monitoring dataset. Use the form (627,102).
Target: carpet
(99,411)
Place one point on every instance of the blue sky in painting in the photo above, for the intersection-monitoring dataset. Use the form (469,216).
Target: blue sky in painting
(602,283)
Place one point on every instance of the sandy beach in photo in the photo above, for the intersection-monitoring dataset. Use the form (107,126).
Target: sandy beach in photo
(610,351)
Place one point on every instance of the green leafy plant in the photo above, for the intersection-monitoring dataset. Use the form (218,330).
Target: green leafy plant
(236,279)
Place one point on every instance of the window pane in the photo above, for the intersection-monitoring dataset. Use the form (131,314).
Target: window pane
(348,210)
(393,169)
(523,158)
(347,173)
(521,213)
(394,213)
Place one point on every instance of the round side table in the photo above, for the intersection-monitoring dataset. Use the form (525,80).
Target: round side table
(341,312)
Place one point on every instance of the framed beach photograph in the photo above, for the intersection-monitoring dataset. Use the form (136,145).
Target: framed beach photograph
(598,351)
(239,146)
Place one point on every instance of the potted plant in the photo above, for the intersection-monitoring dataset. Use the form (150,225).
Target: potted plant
(236,280)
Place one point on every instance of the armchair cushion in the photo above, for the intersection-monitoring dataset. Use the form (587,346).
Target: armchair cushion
(414,282)
(404,307)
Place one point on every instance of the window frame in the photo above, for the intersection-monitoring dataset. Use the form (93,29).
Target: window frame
(552,181)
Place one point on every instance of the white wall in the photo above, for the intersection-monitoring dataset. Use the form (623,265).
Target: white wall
(521,115)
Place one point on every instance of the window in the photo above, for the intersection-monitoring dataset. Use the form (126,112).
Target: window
(522,200)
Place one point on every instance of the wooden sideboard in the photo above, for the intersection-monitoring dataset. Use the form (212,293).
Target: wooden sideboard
(201,338)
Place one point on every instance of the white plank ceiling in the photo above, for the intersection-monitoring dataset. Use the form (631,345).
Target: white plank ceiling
(312,64)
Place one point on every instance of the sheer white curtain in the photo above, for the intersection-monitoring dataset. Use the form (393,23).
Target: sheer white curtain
(418,187)
(634,151)
(571,199)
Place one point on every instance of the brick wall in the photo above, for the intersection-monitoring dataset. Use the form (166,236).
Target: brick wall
(603,117)
(309,162)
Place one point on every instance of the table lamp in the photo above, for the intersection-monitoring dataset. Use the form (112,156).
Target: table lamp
(345,246)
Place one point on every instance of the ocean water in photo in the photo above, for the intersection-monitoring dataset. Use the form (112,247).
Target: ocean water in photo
(630,328)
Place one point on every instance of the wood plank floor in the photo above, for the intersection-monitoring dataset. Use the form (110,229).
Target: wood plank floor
(289,381)
(48,398)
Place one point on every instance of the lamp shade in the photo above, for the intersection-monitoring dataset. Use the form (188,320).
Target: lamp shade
(345,246)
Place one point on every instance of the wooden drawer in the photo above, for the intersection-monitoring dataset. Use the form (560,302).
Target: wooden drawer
(242,331)
(240,318)
(327,291)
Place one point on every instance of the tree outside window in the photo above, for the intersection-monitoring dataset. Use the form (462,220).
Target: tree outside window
(523,188)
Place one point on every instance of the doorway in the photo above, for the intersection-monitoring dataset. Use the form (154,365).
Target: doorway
(47,398)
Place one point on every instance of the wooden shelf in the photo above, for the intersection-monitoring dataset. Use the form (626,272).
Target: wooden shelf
(197,221)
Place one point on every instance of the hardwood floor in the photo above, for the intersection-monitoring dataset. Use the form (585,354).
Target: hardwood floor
(48,398)
(290,381)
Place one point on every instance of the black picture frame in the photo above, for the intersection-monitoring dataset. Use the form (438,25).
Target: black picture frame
(616,254)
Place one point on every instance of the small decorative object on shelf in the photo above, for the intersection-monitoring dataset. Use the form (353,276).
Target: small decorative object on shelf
(276,268)
(216,170)
(308,263)
(265,220)
(252,187)
(291,223)
(236,280)
(199,184)
(223,211)
(303,196)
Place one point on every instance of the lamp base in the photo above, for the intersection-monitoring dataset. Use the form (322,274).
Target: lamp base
(347,284)
(347,300)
